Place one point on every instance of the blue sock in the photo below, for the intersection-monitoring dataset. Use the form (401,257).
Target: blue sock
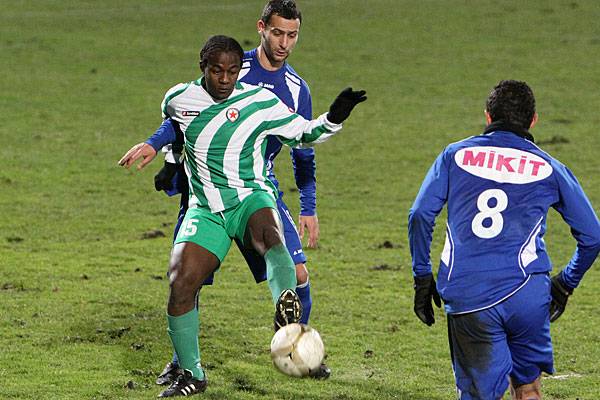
(304,294)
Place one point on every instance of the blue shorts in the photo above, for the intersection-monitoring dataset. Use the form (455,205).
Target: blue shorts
(510,339)
(255,262)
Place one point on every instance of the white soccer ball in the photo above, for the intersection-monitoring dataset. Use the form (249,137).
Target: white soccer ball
(297,349)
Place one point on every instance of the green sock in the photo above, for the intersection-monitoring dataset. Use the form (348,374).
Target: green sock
(183,331)
(281,272)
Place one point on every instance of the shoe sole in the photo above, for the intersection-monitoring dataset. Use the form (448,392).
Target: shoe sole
(289,308)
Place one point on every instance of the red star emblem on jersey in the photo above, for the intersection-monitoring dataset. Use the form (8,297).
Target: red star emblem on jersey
(233,114)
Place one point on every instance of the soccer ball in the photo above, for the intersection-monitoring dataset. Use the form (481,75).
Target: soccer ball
(297,349)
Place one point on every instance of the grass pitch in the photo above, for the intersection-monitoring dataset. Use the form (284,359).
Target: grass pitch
(84,244)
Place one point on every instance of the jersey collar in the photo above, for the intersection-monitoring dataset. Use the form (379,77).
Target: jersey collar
(508,127)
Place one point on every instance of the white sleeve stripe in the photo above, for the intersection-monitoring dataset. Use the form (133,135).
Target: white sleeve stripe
(294,91)
(243,73)
(448,252)
(528,251)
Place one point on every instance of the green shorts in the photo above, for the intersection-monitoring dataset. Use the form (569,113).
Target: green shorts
(215,232)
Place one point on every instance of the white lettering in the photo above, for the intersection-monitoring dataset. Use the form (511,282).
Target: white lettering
(266,85)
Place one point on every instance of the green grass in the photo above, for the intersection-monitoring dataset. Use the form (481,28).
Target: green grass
(82,295)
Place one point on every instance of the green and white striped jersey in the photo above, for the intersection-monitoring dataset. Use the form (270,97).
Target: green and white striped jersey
(225,142)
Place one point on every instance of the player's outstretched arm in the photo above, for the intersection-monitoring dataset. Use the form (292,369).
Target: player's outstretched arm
(140,150)
(344,103)
(295,131)
(147,150)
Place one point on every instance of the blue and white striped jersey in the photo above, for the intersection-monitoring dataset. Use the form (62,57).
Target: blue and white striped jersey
(498,188)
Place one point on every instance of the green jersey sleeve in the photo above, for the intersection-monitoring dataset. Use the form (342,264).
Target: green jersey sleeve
(295,131)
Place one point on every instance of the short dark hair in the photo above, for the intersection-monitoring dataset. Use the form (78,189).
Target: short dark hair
(219,44)
(284,8)
(512,102)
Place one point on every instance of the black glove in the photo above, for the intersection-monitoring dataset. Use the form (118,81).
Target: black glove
(164,179)
(560,294)
(425,291)
(342,106)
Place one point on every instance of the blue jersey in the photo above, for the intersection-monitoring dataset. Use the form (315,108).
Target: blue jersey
(498,188)
(294,92)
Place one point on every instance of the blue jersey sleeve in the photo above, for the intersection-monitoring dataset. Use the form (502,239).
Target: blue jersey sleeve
(421,218)
(163,136)
(304,163)
(577,211)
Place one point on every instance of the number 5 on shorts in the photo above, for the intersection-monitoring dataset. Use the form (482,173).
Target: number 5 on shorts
(190,228)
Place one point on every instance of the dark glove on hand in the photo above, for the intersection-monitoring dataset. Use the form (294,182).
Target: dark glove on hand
(560,294)
(164,179)
(425,291)
(342,106)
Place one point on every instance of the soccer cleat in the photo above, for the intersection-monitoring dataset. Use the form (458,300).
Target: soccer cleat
(322,372)
(185,385)
(169,374)
(288,309)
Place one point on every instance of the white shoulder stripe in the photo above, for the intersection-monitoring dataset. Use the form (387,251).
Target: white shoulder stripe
(293,78)
(294,90)
(243,72)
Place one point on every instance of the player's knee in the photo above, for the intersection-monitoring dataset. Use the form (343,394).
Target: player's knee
(182,289)
(271,237)
(301,273)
